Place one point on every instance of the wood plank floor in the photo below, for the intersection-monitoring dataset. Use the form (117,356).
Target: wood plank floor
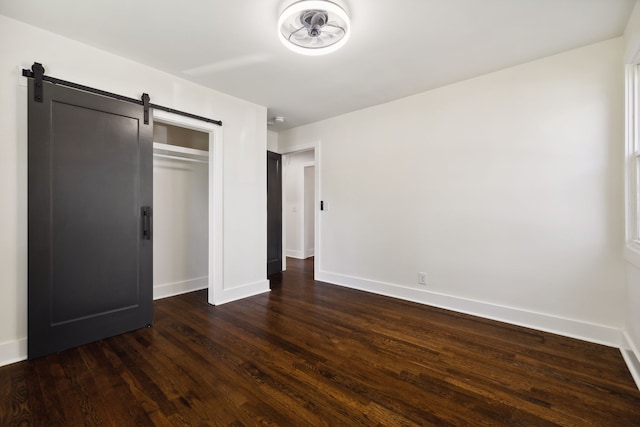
(311,354)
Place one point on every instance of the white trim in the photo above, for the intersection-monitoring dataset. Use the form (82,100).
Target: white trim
(13,351)
(216,196)
(294,254)
(317,242)
(631,194)
(316,147)
(632,253)
(585,331)
(628,141)
(172,289)
(631,357)
(303,211)
(285,172)
(299,148)
(632,90)
(241,292)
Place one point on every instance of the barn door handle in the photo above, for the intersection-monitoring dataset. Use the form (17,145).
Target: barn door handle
(146,223)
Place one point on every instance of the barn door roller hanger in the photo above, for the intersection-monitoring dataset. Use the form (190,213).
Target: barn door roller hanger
(37,73)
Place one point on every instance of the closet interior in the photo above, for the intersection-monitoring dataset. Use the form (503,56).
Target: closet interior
(180,210)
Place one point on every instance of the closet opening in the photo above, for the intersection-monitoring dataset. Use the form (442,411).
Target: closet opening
(188,236)
(180,210)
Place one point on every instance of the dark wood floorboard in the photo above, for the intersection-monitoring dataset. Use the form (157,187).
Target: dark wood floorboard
(313,354)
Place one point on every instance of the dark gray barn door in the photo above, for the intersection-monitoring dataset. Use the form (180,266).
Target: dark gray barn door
(274,213)
(90,249)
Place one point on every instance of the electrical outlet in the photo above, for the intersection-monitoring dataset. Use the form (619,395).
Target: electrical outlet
(422,278)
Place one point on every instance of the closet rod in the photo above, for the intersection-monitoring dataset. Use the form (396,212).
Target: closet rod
(37,72)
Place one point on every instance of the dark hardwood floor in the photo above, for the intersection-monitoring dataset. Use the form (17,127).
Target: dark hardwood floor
(310,354)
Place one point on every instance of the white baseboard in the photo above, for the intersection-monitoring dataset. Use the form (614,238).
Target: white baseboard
(294,254)
(16,351)
(240,292)
(171,289)
(631,356)
(13,351)
(309,253)
(599,334)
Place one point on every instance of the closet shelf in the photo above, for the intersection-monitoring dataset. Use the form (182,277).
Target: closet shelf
(179,153)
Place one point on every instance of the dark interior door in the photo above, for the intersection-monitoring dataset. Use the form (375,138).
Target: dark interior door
(90,193)
(274,213)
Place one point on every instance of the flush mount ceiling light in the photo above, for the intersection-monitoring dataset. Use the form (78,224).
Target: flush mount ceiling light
(313,27)
(276,120)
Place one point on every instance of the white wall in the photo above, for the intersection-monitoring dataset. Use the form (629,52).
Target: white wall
(272,141)
(244,160)
(507,189)
(180,226)
(293,189)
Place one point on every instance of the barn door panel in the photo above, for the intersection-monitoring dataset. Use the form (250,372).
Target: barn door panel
(90,193)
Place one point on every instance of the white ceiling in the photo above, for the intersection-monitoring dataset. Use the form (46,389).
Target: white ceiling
(397,47)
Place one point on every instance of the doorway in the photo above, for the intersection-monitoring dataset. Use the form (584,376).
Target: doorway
(180,210)
(300,188)
(274,213)
(215,273)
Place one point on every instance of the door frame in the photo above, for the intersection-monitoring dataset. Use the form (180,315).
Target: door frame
(215,274)
(316,147)
(303,234)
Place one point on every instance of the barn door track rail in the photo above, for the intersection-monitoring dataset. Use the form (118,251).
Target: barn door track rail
(37,73)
